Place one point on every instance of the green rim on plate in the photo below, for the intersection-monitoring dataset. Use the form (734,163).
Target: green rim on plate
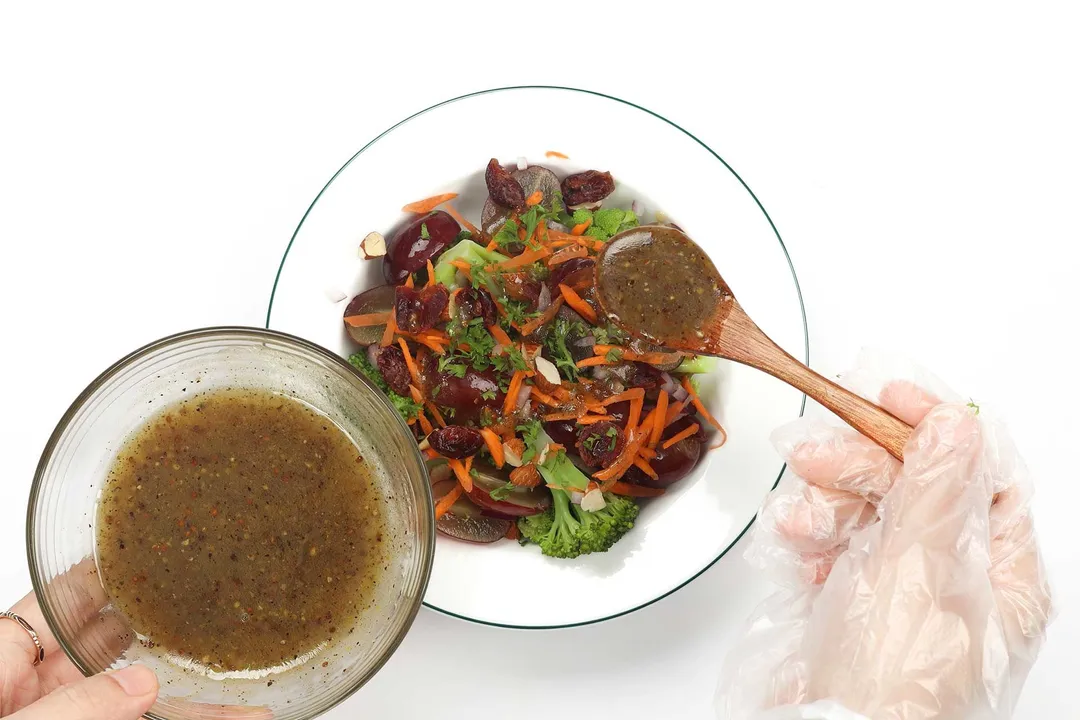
(794,278)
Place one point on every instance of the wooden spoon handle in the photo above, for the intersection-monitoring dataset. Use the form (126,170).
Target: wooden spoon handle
(744,342)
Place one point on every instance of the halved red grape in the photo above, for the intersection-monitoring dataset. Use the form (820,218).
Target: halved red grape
(413,245)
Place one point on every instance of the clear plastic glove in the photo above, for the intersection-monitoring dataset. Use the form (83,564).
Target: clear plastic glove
(913,590)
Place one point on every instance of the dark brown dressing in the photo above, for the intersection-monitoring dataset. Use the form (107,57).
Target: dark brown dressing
(241,530)
(655,282)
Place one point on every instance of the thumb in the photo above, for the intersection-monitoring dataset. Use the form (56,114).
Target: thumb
(121,695)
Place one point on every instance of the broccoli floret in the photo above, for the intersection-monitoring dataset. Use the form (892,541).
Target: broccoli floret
(602,528)
(567,531)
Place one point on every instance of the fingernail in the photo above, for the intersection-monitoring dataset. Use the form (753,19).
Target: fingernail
(135,680)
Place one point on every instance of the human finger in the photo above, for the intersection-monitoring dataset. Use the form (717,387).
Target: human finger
(81,593)
(121,695)
(814,519)
(837,458)
(907,401)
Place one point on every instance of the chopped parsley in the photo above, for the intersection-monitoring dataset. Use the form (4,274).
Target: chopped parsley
(488,394)
(502,492)
(509,359)
(517,313)
(555,340)
(610,436)
(451,365)
(530,432)
(613,355)
(424,231)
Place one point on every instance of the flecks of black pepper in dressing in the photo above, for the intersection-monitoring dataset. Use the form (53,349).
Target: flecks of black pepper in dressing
(241,530)
(655,282)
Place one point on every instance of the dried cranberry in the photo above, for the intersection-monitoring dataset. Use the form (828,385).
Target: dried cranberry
(599,444)
(456,441)
(476,302)
(391,362)
(587,187)
(417,310)
(503,188)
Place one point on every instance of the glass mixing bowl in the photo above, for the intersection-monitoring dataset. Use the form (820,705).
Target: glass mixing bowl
(67,485)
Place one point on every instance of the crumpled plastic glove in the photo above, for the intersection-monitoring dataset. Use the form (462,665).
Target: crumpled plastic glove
(912,591)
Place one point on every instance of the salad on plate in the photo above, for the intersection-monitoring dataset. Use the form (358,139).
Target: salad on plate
(541,420)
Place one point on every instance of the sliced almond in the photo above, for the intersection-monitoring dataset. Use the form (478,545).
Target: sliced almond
(373,246)
(593,501)
(546,368)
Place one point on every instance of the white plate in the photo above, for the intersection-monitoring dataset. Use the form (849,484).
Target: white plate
(445,148)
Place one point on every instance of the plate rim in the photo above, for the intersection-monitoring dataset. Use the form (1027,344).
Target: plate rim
(761,207)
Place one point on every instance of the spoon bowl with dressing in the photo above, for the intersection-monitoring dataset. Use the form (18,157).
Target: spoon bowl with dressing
(657,284)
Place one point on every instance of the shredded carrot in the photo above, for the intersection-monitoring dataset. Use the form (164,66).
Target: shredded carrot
(645,467)
(535,198)
(512,532)
(574,251)
(368,319)
(512,392)
(526,258)
(500,335)
(416,395)
(580,228)
(430,454)
(425,424)
(430,273)
(631,394)
(574,301)
(554,154)
(590,419)
(414,372)
(428,204)
(653,358)
(658,423)
(494,446)
(622,463)
(530,327)
(388,334)
(411,421)
(723,439)
(468,464)
(647,453)
(543,396)
(636,406)
(681,435)
(674,410)
(645,427)
(464,267)
(699,405)
(492,245)
(621,488)
(447,501)
(564,243)
(409,282)
(461,220)
(553,417)
(542,233)
(463,475)
(593,361)
(435,413)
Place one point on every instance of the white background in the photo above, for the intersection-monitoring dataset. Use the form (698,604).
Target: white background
(919,160)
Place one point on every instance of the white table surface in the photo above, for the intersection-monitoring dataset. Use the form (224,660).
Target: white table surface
(919,161)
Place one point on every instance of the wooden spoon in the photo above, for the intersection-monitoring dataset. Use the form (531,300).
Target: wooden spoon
(655,283)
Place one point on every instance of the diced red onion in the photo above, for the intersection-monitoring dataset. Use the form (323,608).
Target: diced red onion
(543,302)
(668,383)
(552,225)
(334,294)
(576,496)
(601,373)
(522,163)
(680,394)
(523,396)
(637,208)
(373,354)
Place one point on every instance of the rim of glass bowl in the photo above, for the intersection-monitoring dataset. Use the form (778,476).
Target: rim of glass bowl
(427,551)
(787,256)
